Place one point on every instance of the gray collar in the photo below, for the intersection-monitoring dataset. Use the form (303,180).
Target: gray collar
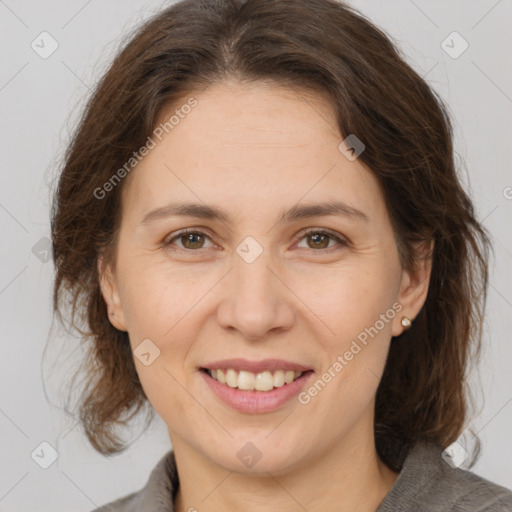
(426,483)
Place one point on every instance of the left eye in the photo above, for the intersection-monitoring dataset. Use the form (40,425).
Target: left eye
(192,240)
(319,238)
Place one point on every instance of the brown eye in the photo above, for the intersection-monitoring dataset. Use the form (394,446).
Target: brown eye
(189,240)
(192,240)
(321,239)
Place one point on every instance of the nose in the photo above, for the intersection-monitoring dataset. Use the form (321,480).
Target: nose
(256,301)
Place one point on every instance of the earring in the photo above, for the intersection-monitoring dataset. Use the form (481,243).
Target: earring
(406,323)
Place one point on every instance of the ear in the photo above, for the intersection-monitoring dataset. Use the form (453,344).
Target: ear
(110,292)
(414,286)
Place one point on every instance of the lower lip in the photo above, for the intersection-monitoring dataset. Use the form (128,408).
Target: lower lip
(256,401)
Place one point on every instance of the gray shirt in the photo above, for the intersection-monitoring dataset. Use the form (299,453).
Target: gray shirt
(426,483)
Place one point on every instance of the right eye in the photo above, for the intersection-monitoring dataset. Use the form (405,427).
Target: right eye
(191,239)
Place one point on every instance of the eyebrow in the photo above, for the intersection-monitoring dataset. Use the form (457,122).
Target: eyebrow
(203,211)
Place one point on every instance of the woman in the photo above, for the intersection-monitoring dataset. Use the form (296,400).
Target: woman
(260,223)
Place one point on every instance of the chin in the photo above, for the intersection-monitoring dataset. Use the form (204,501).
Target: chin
(258,454)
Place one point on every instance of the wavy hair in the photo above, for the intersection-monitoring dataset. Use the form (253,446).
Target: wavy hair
(324,46)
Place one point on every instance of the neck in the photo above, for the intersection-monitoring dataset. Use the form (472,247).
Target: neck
(361,482)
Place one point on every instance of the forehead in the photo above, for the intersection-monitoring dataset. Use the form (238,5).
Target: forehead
(247,145)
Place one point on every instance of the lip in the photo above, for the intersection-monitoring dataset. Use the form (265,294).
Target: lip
(256,402)
(271,365)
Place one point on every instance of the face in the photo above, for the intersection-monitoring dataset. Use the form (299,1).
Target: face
(269,282)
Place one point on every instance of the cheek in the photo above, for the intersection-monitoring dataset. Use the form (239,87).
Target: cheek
(350,298)
(157,298)
(158,306)
(357,304)
(355,357)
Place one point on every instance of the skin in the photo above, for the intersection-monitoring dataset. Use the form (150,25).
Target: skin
(253,150)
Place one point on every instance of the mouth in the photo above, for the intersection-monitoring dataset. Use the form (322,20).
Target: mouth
(258,391)
(250,381)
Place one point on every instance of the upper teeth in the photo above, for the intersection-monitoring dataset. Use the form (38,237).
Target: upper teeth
(263,381)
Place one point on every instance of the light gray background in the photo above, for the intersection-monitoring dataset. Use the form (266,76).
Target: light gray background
(40,99)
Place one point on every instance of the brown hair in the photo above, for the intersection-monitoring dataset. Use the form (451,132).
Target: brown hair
(319,46)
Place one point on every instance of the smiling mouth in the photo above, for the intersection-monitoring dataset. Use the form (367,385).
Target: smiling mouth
(249,381)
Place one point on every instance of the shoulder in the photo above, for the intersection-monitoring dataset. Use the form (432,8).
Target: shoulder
(471,492)
(427,482)
(156,496)
(480,495)
(128,503)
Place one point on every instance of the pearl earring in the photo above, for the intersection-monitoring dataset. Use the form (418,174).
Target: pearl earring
(406,323)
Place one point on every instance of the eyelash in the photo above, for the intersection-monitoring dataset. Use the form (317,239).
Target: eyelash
(311,231)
